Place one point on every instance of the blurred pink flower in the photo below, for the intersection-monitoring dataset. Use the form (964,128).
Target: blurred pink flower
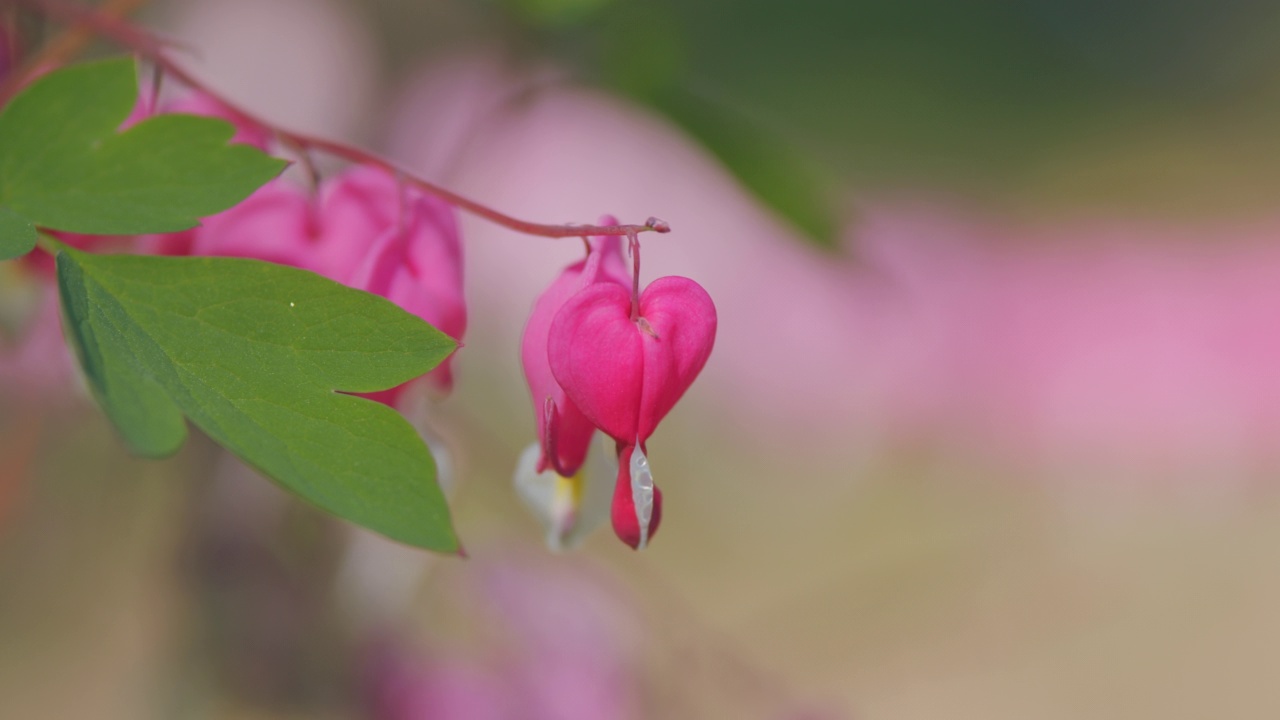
(364,230)
(275,224)
(394,241)
(1095,340)
(565,647)
(39,361)
(404,686)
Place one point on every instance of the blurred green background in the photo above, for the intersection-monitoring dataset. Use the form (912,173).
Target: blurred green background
(1031,106)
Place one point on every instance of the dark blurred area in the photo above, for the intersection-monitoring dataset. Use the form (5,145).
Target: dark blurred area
(1043,105)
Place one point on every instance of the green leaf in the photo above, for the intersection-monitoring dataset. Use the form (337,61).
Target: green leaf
(787,181)
(64,166)
(17,236)
(253,353)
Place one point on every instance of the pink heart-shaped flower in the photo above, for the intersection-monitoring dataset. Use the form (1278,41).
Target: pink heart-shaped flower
(625,375)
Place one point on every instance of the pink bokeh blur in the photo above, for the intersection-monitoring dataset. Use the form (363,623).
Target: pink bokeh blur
(566,647)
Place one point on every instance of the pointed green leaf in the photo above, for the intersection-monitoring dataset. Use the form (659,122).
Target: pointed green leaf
(64,166)
(17,235)
(253,354)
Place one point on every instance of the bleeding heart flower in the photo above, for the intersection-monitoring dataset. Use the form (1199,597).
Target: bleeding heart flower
(626,373)
(394,241)
(274,224)
(363,230)
(625,361)
(564,433)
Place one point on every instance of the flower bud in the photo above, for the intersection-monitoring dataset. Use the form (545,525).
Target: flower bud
(637,502)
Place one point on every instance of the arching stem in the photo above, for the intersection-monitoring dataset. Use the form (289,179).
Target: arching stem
(153,49)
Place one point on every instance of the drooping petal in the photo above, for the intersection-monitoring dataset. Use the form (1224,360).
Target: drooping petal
(393,241)
(637,502)
(551,497)
(563,430)
(417,264)
(353,209)
(565,450)
(272,224)
(568,508)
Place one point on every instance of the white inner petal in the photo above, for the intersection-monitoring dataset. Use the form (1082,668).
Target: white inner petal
(641,492)
(544,494)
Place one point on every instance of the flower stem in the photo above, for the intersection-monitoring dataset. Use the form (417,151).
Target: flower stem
(633,244)
(153,49)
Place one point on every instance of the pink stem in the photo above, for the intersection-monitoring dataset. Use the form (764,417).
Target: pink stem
(152,49)
(633,244)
